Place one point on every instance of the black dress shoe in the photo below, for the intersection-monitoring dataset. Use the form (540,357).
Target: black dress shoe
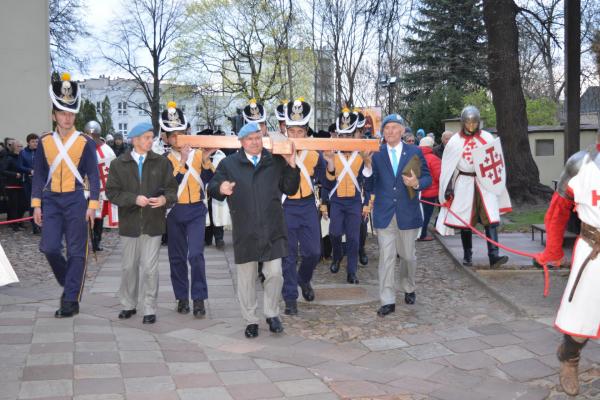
(386,309)
(199,310)
(219,244)
(352,279)
(67,309)
(496,262)
(126,314)
(410,298)
(183,306)
(334,267)
(251,331)
(291,307)
(307,292)
(275,325)
(149,319)
(363,259)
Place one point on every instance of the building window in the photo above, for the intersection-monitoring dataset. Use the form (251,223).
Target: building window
(143,107)
(544,147)
(123,129)
(122,108)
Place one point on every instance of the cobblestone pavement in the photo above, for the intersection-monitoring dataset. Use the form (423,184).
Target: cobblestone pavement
(457,342)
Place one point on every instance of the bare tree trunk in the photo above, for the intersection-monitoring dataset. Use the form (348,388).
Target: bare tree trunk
(288,51)
(523,180)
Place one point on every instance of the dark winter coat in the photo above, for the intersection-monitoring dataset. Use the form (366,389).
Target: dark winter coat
(259,230)
(123,186)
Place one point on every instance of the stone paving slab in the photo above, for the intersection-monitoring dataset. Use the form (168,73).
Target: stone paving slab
(418,356)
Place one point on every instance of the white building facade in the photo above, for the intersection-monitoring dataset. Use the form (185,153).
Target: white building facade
(129,105)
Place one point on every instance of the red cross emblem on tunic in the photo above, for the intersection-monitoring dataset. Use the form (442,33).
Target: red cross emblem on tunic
(468,150)
(595,198)
(103,172)
(492,166)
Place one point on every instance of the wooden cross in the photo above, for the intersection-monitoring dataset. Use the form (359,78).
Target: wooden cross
(280,144)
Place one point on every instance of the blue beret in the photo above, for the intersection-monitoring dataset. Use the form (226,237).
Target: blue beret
(140,129)
(250,127)
(392,118)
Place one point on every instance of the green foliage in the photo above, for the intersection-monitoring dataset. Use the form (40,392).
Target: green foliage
(106,117)
(447,47)
(87,112)
(482,100)
(429,110)
(541,111)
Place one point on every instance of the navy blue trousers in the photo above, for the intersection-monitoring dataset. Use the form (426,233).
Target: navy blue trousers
(63,214)
(345,216)
(185,227)
(303,228)
(427,212)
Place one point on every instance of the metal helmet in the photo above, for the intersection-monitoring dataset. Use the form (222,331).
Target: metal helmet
(93,128)
(469,114)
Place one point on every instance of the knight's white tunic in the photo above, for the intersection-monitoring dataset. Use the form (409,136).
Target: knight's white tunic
(458,157)
(581,316)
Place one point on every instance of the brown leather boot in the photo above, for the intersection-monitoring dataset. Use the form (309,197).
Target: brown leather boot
(569,376)
(568,355)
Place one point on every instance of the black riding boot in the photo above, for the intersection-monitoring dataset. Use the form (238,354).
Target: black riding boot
(491,231)
(466,237)
(97,234)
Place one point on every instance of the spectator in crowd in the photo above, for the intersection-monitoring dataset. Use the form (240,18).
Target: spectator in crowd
(118,146)
(434,163)
(110,139)
(13,184)
(439,149)
(409,138)
(420,135)
(25,164)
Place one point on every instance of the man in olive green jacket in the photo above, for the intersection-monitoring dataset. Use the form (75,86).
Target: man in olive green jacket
(141,183)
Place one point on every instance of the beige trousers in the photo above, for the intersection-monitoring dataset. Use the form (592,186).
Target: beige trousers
(140,257)
(394,241)
(246,287)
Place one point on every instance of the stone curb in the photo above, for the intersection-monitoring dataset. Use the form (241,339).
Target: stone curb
(520,311)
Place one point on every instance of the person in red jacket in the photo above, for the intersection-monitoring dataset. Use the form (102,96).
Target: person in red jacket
(430,194)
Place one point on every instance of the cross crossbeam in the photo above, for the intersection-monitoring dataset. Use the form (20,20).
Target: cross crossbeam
(280,144)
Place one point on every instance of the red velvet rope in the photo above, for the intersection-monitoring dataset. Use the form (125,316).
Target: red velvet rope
(14,221)
(509,249)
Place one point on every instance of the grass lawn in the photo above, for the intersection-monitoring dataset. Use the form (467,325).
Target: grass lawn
(521,220)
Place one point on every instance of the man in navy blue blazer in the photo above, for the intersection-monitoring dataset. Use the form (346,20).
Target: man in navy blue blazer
(395,176)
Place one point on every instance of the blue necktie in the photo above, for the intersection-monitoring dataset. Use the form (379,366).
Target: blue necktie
(255,160)
(140,166)
(394,161)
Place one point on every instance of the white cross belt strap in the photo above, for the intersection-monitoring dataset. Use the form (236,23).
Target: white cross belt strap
(191,171)
(304,171)
(347,170)
(63,155)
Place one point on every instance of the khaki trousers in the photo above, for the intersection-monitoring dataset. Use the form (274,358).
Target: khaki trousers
(140,257)
(246,287)
(394,241)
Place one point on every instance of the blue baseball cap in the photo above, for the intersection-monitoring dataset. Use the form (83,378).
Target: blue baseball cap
(392,118)
(250,127)
(140,129)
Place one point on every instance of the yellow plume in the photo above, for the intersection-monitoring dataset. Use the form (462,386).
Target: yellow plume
(65,76)
(171,104)
(300,98)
